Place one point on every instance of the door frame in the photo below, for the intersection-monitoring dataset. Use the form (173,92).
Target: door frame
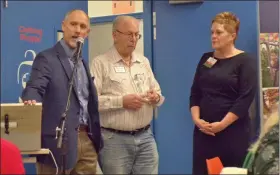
(104,19)
(1,16)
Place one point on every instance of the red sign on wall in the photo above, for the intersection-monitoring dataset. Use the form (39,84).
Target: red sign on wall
(122,7)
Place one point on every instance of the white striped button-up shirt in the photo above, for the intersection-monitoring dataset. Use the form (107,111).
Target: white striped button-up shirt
(113,80)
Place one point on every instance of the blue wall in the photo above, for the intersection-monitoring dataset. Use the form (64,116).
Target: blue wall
(182,36)
(41,15)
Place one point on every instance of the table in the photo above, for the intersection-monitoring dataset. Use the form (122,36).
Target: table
(33,159)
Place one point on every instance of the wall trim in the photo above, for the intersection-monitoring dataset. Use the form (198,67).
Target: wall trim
(103,19)
(259,97)
(1,55)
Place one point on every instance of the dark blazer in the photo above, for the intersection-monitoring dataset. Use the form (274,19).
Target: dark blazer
(49,81)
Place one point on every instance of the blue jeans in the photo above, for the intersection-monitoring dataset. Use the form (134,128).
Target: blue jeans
(129,154)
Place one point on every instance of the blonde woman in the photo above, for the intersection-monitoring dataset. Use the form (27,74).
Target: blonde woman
(263,158)
(265,152)
(223,89)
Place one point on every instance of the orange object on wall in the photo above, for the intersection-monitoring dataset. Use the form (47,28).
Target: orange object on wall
(214,165)
(121,7)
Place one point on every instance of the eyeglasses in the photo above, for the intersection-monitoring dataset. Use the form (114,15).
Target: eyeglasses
(137,35)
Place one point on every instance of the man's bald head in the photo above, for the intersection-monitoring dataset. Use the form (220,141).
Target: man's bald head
(75,11)
(122,20)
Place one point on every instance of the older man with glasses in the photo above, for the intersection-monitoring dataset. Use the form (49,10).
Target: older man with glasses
(128,93)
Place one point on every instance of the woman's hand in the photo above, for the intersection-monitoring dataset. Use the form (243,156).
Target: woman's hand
(204,127)
(217,127)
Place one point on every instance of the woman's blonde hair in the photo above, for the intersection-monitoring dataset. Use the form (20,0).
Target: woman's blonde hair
(229,20)
(272,120)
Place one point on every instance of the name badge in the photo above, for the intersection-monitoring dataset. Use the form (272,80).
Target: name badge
(119,69)
(210,62)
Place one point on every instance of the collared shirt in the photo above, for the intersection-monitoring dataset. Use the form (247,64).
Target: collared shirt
(113,80)
(80,82)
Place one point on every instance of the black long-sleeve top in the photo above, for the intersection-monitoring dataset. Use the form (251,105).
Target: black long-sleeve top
(228,86)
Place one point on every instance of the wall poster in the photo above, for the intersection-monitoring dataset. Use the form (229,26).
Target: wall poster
(269,55)
(122,7)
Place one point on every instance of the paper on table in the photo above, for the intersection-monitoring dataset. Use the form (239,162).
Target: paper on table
(233,170)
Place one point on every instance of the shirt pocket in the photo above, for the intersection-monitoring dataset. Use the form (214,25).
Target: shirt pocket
(117,84)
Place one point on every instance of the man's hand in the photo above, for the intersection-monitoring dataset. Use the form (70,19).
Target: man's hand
(152,96)
(204,127)
(30,102)
(217,127)
(133,101)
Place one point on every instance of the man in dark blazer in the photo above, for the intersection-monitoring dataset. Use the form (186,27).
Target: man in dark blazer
(49,84)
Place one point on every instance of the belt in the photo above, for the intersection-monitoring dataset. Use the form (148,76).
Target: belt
(137,131)
(82,128)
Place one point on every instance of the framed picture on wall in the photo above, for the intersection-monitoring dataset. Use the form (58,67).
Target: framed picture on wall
(184,1)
